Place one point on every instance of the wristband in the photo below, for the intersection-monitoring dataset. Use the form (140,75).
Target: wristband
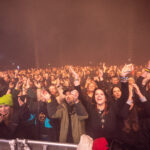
(123,79)
(49,101)
(147,70)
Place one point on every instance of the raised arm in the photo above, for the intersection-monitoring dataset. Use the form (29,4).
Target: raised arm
(79,108)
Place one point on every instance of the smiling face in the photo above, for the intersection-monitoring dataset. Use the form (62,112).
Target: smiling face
(69,97)
(91,87)
(117,92)
(53,90)
(100,97)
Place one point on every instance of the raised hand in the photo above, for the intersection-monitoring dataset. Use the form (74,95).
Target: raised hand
(127,69)
(38,85)
(58,82)
(100,74)
(18,85)
(20,102)
(76,76)
(45,96)
(11,85)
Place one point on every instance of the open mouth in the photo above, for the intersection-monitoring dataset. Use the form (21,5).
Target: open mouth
(99,99)
(3,114)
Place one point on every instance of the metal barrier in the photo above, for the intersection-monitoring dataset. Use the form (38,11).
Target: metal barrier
(19,144)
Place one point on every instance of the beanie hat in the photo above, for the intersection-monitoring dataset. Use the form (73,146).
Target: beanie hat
(6,100)
(100,144)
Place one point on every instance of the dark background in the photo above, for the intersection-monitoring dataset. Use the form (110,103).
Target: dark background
(58,32)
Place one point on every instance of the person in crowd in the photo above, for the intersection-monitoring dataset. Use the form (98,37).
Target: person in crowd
(126,104)
(89,90)
(102,121)
(45,128)
(6,104)
(57,91)
(116,110)
(71,114)
(10,118)
(132,134)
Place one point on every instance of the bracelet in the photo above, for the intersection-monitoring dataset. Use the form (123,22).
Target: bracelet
(147,70)
(49,101)
(123,79)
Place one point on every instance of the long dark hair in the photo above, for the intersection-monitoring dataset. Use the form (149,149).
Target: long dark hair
(111,92)
(106,109)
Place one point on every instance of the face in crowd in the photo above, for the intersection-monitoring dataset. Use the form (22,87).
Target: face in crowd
(116,92)
(53,90)
(111,73)
(70,96)
(115,80)
(131,81)
(100,97)
(91,86)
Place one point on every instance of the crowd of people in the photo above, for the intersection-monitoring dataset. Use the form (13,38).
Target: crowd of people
(60,104)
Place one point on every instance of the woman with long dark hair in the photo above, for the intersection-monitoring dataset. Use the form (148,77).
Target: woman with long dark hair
(103,118)
(107,120)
